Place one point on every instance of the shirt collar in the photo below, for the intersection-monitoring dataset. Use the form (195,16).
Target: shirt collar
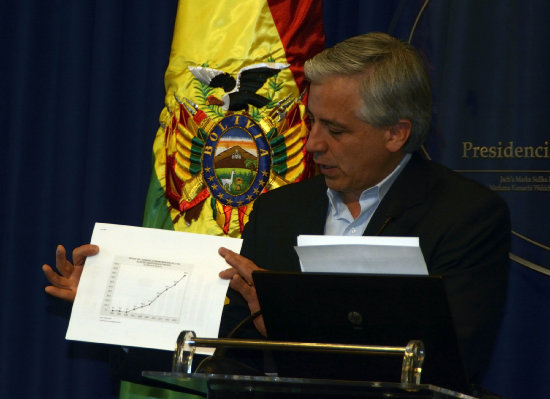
(379,190)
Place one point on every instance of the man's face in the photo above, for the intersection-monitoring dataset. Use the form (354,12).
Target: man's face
(350,153)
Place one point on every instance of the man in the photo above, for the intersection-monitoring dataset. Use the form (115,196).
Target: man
(370,106)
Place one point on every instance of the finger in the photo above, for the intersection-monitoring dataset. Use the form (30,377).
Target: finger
(62,265)
(234,259)
(66,295)
(56,279)
(248,292)
(239,284)
(228,274)
(260,325)
(244,266)
(81,253)
(226,254)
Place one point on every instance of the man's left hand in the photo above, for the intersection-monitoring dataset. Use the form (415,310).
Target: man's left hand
(240,275)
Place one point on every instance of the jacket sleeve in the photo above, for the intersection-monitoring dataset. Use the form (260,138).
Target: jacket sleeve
(473,258)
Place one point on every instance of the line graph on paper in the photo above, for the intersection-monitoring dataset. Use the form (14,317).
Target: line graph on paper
(145,289)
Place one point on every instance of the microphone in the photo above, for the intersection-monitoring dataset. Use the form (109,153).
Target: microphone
(218,363)
(395,210)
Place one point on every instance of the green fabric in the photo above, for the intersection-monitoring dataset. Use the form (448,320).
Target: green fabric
(156,212)
(130,390)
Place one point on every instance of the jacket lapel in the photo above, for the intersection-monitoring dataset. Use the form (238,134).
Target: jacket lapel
(313,218)
(408,191)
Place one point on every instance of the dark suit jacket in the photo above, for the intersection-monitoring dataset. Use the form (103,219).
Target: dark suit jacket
(464,232)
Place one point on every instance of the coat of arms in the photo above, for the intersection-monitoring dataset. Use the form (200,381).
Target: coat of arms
(233,139)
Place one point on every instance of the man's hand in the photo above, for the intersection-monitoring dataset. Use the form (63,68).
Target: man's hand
(65,282)
(240,275)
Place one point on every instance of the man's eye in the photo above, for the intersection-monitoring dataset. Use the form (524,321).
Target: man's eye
(335,132)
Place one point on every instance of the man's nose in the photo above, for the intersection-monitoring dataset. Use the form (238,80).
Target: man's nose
(315,142)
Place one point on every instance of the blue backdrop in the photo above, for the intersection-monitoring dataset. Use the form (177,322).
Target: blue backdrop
(81,88)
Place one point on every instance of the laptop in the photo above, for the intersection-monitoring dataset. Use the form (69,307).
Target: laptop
(360,309)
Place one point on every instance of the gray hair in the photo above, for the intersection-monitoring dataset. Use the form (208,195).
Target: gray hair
(394,82)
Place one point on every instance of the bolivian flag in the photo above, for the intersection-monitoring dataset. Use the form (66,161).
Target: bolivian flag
(232,127)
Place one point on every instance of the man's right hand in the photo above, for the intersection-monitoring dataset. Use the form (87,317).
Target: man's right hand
(65,281)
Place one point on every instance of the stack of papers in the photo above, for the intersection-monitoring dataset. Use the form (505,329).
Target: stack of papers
(372,255)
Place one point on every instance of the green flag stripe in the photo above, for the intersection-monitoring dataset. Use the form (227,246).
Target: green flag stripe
(279,150)
(280,169)
(271,133)
(279,160)
(156,212)
(276,141)
(197,142)
(195,168)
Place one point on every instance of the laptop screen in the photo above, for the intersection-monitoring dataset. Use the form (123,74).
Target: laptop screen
(360,309)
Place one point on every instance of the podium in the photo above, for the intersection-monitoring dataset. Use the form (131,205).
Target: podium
(230,386)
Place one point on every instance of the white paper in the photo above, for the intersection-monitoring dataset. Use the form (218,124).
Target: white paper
(364,254)
(147,285)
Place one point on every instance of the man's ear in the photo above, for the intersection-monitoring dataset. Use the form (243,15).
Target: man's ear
(398,135)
